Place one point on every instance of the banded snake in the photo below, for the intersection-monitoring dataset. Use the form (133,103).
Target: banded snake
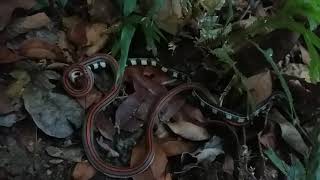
(85,69)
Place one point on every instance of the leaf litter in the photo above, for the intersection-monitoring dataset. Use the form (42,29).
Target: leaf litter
(40,136)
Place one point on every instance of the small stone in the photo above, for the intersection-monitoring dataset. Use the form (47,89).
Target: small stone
(55,161)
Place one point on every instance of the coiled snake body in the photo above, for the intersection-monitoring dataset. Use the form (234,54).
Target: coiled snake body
(101,61)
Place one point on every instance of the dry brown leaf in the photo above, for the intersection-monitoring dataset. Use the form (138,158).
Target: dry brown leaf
(77,33)
(176,147)
(289,133)
(260,85)
(268,139)
(157,169)
(64,44)
(8,56)
(91,37)
(39,49)
(7,7)
(26,24)
(96,38)
(103,11)
(83,171)
(228,165)
(189,130)
(170,16)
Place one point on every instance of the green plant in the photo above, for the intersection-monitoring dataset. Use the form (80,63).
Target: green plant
(129,25)
(289,17)
(297,171)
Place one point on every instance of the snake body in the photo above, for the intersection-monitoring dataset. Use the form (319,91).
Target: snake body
(85,70)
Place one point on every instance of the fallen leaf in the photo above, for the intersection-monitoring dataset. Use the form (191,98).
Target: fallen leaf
(73,154)
(158,167)
(26,24)
(125,114)
(189,130)
(55,114)
(39,49)
(228,164)
(111,153)
(105,126)
(268,137)
(179,146)
(260,86)
(66,47)
(22,79)
(289,133)
(192,113)
(83,171)
(89,36)
(7,7)
(210,151)
(8,120)
(77,32)
(172,107)
(171,16)
(14,158)
(103,11)
(8,56)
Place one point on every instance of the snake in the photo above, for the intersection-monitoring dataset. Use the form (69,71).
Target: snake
(78,81)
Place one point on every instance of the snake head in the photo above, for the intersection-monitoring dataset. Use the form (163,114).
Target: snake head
(74,75)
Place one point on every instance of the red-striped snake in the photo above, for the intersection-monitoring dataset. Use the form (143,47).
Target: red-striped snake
(100,61)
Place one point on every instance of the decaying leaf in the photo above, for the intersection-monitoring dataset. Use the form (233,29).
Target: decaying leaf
(260,86)
(8,56)
(268,138)
(22,79)
(26,24)
(189,130)
(228,165)
(210,151)
(55,114)
(176,147)
(91,37)
(105,126)
(204,155)
(39,49)
(7,7)
(73,154)
(83,171)
(111,153)
(157,170)
(103,11)
(171,15)
(290,134)
(125,114)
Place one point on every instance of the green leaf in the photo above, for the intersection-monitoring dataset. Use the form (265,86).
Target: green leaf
(62,3)
(268,55)
(125,41)
(313,168)
(297,170)
(157,4)
(281,165)
(129,6)
(40,5)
